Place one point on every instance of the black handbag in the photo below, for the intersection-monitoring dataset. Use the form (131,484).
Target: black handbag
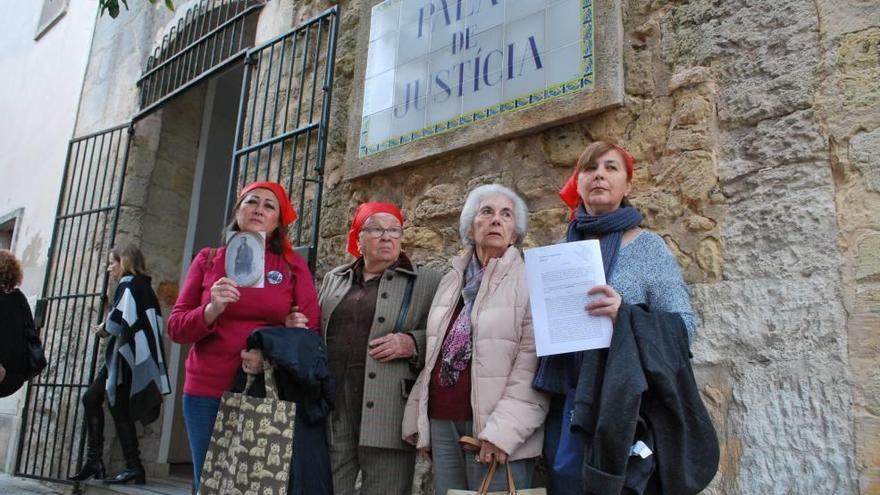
(35,354)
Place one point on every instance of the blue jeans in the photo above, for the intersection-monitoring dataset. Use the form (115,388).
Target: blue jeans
(456,469)
(199,414)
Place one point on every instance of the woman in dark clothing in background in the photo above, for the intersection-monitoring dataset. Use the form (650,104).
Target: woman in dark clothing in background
(17,322)
(133,387)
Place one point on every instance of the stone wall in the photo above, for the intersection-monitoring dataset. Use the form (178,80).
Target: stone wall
(847,104)
(755,130)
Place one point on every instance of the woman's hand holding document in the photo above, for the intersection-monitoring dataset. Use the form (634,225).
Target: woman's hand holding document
(560,277)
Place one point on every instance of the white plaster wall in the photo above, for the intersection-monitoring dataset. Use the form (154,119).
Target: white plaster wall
(39,93)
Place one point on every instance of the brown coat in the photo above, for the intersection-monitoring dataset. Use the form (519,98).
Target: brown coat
(507,411)
(386,385)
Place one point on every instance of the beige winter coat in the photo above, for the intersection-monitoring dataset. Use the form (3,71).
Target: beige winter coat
(507,411)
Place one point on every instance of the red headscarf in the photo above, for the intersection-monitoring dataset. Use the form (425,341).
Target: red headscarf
(361,214)
(286,212)
(569,192)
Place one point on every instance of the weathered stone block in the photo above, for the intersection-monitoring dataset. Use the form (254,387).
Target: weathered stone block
(564,144)
(683,259)
(438,201)
(546,227)
(849,97)
(764,56)
(710,258)
(660,208)
(422,238)
(695,175)
(867,431)
(864,151)
(793,138)
(868,258)
(697,223)
(781,222)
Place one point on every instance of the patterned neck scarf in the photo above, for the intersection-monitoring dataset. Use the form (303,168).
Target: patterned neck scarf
(457,349)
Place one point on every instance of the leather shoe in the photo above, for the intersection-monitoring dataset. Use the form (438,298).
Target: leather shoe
(135,474)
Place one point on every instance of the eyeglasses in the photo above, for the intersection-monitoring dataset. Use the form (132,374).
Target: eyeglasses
(377,232)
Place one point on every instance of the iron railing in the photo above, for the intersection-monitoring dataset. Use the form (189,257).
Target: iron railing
(211,35)
(73,300)
(284,113)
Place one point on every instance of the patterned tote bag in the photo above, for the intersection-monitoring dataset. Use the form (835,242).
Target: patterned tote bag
(251,444)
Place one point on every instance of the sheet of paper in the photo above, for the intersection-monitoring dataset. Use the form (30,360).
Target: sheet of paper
(559,277)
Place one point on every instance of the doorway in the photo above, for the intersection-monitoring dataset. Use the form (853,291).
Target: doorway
(204,223)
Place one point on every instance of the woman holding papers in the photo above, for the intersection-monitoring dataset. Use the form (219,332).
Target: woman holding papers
(216,315)
(480,355)
(639,269)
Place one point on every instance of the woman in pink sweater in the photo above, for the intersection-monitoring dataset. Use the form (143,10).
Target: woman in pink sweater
(216,315)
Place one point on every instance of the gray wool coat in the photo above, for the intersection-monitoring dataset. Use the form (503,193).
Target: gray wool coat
(387,385)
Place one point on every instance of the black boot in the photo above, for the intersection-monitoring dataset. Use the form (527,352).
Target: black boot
(134,470)
(94,465)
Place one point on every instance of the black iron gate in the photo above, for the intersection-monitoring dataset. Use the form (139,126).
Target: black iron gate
(283,118)
(51,442)
(281,135)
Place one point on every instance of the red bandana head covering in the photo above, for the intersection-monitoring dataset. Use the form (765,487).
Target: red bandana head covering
(361,214)
(569,193)
(286,212)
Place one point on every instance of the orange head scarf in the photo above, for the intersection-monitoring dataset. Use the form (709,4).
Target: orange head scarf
(569,192)
(361,214)
(286,212)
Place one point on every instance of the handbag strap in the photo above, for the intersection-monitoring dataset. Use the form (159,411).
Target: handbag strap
(487,480)
(268,378)
(404,305)
(511,486)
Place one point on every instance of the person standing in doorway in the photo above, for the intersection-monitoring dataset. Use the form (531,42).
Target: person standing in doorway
(133,386)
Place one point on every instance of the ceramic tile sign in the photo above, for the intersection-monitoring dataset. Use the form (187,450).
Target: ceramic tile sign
(437,65)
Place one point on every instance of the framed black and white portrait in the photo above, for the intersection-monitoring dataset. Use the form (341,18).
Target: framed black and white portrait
(245,258)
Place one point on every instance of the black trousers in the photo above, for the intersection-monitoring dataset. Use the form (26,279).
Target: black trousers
(93,403)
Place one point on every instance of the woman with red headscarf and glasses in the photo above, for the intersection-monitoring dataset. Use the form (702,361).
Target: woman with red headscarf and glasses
(639,270)
(374,311)
(216,315)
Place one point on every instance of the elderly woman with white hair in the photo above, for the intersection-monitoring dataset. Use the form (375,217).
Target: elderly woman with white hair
(480,355)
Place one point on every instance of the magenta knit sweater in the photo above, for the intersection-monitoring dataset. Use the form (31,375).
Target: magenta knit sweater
(215,357)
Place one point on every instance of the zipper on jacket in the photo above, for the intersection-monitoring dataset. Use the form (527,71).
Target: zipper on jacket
(487,279)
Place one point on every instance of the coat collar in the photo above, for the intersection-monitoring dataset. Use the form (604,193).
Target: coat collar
(402,265)
(509,258)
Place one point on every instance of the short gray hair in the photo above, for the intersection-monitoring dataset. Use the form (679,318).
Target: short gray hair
(472,206)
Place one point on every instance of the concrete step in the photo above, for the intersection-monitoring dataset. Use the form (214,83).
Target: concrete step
(25,486)
(155,486)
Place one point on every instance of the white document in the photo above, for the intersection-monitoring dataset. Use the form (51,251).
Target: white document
(559,278)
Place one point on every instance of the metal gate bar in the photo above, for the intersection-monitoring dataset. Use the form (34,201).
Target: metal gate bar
(51,440)
(283,116)
(211,35)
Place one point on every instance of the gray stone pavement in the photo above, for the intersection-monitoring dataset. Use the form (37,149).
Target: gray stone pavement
(11,485)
